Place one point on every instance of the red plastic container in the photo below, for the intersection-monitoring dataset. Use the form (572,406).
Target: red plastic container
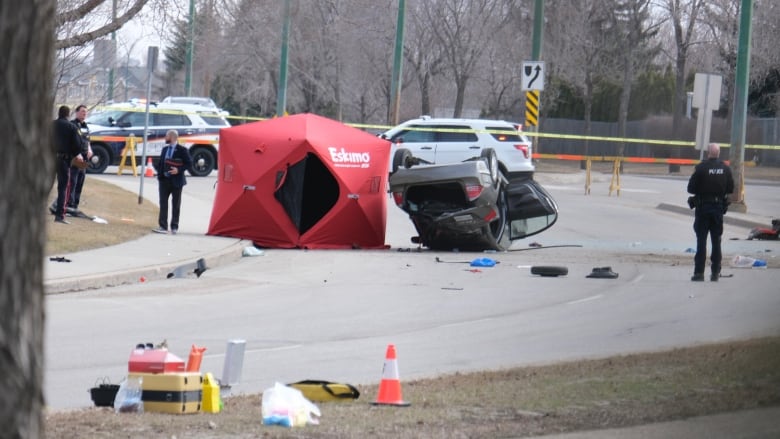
(154,361)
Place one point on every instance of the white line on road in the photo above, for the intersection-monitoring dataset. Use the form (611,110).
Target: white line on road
(587,299)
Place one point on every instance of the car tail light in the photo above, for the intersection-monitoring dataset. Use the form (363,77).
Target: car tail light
(473,191)
(523,149)
(398,197)
(491,216)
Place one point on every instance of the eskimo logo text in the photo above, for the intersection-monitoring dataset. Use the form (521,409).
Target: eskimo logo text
(344,158)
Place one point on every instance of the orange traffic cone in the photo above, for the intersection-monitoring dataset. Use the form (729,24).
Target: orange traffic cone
(149,168)
(196,356)
(390,387)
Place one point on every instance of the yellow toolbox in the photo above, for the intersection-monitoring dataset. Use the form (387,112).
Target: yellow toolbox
(177,393)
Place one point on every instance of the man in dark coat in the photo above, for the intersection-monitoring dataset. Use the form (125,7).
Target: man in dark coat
(710,184)
(174,160)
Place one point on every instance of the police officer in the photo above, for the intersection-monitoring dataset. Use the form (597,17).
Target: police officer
(78,174)
(68,143)
(710,184)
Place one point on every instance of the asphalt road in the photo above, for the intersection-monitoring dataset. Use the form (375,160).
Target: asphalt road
(330,314)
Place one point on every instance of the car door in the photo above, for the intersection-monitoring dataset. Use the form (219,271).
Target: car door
(170,120)
(456,143)
(419,139)
(530,209)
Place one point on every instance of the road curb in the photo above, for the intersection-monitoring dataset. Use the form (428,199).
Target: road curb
(226,255)
(739,222)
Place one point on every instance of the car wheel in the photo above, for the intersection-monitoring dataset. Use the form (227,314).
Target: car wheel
(549,271)
(497,232)
(203,161)
(100,160)
(491,159)
(401,159)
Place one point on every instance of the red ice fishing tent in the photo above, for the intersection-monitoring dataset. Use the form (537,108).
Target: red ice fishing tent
(301,181)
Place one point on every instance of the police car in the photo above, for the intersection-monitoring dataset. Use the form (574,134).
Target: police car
(111,126)
(428,140)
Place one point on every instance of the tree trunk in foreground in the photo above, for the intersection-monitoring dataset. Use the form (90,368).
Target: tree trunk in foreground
(26,175)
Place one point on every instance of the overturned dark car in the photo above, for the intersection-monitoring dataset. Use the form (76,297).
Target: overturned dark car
(470,206)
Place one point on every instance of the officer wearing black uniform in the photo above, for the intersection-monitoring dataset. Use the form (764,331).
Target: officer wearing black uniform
(710,184)
(68,142)
(78,175)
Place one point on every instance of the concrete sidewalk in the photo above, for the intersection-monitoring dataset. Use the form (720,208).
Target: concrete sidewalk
(151,257)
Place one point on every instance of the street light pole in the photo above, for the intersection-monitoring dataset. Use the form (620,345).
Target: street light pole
(737,152)
(151,65)
(533,97)
(110,94)
(281,96)
(190,44)
(395,83)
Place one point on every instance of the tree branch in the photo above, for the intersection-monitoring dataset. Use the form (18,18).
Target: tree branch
(81,39)
(78,13)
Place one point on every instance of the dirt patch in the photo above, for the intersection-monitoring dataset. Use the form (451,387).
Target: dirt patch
(605,393)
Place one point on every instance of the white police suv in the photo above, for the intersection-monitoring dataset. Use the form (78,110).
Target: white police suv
(441,141)
(198,127)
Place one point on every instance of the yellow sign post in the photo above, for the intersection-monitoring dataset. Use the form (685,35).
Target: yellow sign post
(128,149)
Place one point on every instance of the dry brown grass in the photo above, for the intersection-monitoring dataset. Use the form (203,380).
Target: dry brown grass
(127,220)
(605,393)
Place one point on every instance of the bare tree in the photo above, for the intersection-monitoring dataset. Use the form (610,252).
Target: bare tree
(721,18)
(28,48)
(464,28)
(584,47)
(683,15)
(424,54)
(633,22)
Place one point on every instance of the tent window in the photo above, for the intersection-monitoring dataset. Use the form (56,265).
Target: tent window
(308,193)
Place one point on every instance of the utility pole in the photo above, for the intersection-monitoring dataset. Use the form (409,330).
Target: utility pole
(151,64)
(532,98)
(395,83)
(188,56)
(110,94)
(281,97)
(739,112)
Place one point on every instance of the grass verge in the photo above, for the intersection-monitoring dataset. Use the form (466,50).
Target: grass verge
(127,220)
(605,393)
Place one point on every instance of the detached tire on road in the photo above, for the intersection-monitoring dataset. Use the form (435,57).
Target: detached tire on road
(549,270)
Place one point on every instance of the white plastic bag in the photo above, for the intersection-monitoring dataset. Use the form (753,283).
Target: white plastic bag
(286,406)
(128,397)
